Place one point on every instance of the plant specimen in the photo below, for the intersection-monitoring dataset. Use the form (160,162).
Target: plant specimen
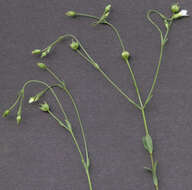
(65,123)
(79,49)
(141,105)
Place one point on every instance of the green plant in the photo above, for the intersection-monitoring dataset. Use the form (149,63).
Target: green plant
(79,49)
(176,14)
(46,108)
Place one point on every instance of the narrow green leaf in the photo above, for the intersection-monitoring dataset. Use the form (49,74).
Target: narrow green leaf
(148,169)
(154,172)
(148,144)
(144,143)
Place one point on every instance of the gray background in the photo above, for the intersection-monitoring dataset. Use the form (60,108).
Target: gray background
(38,154)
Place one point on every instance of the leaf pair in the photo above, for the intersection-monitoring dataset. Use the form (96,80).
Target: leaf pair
(148,144)
(154,173)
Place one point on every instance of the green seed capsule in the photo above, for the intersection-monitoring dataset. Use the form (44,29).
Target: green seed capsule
(175,8)
(125,55)
(70,13)
(18,118)
(6,113)
(44,107)
(74,45)
(41,65)
(36,51)
(108,8)
(43,54)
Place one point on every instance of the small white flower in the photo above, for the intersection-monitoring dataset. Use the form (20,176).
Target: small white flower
(183,13)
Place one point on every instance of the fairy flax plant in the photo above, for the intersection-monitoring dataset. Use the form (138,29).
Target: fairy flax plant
(141,104)
(65,123)
(79,49)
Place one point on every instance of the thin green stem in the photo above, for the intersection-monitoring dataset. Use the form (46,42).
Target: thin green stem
(47,88)
(163,41)
(153,23)
(117,33)
(78,148)
(118,89)
(145,122)
(55,42)
(54,75)
(152,165)
(142,111)
(89,59)
(134,82)
(66,118)
(87,15)
(156,74)
(82,159)
(142,108)
(15,103)
(57,119)
(20,104)
(89,179)
(110,81)
(81,125)
(52,91)
(107,23)
(76,110)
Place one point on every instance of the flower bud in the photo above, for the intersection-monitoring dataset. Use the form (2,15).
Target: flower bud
(46,51)
(43,54)
(31,100)
(41,65)
(106,15)
(125,55)
(175,8)
(74,45)
(107,8)
(44,107)
(22,91)
(36,51)
(166,24)
(6,113)
(18,118)
(70,13)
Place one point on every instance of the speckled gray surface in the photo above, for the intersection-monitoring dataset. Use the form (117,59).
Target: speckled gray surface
(39,155)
